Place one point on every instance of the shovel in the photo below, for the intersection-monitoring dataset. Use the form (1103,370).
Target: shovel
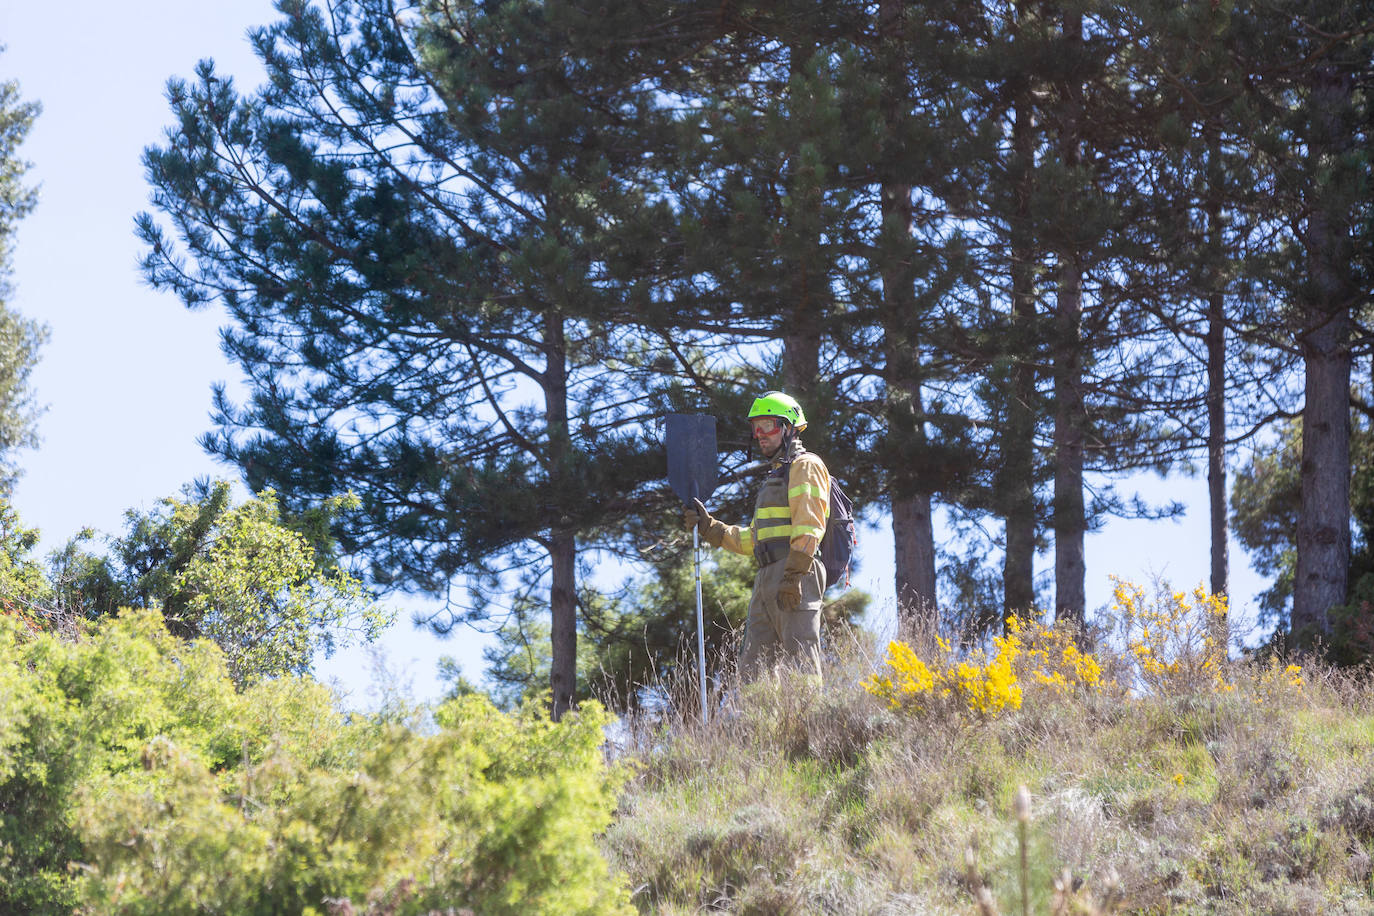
(691,441)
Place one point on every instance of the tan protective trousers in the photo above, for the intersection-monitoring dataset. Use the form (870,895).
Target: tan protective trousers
(772,635)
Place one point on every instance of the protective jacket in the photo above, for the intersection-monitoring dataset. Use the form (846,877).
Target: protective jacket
(791,511)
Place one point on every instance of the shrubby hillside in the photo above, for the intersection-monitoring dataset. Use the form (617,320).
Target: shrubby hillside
(1150,774)
(1157,777)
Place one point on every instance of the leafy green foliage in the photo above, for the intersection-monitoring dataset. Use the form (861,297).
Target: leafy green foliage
(24,590)
(20,337)
(135,778)
(268,595)
(85,707)
(20,340)
(1266,501)
(255,589)
(1264,506)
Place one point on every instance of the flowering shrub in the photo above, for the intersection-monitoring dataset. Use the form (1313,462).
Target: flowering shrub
(977,685)
(1273,679)
(1176,644)
(1031,655)
(1049,657)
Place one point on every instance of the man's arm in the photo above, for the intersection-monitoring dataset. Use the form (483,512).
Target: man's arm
(738,539)
(715,532)
(808,502)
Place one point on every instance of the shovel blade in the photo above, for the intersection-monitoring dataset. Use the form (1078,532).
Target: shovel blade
(691,442)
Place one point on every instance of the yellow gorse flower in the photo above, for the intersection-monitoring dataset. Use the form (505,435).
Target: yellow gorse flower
(974,685)
(1173,641)
(984,684)
(1274,679)
(1050,657)
(1177,641)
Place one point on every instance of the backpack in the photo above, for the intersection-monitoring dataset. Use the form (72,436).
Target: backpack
(841,536)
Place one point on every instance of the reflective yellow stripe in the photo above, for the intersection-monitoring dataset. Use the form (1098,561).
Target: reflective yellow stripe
(773,512)
(746,539)
(788,531)
(805,489)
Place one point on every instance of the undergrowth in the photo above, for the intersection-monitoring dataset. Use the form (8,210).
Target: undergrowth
(1145,773)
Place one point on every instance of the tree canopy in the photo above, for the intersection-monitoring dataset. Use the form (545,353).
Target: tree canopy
(471,253)
(270,595)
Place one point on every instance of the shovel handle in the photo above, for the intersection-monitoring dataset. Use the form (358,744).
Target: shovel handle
(701,624)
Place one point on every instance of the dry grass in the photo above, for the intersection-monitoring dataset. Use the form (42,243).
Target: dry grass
(1244,793)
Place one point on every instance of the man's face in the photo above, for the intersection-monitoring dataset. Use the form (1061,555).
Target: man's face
(769,432)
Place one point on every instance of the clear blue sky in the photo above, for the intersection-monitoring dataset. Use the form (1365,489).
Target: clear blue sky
(127,372)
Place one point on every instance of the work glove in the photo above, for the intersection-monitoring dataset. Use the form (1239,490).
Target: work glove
(789,589)
(712,530)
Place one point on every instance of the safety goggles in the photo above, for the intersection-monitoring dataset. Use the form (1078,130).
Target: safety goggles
(765,426)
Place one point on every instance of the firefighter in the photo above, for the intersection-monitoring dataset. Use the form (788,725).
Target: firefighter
(784,536)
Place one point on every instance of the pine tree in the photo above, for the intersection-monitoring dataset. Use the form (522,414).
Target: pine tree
(1200,164)
(405,228)
(1309,81)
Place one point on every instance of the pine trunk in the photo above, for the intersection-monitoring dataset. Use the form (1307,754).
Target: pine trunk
(1216,443)
(1018,444)
(1070,599)
(562,542)
(1216,379)
(1070,523)
(801,359)
(913,536)
(1323,562)
(913,532)
(1324,516)
(805,296)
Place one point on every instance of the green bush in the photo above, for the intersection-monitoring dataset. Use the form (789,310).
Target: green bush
(134,779)
(266,589)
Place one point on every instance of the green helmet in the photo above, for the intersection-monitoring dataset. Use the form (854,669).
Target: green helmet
(777,404)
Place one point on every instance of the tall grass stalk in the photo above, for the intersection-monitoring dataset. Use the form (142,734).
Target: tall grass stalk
(1022,804)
